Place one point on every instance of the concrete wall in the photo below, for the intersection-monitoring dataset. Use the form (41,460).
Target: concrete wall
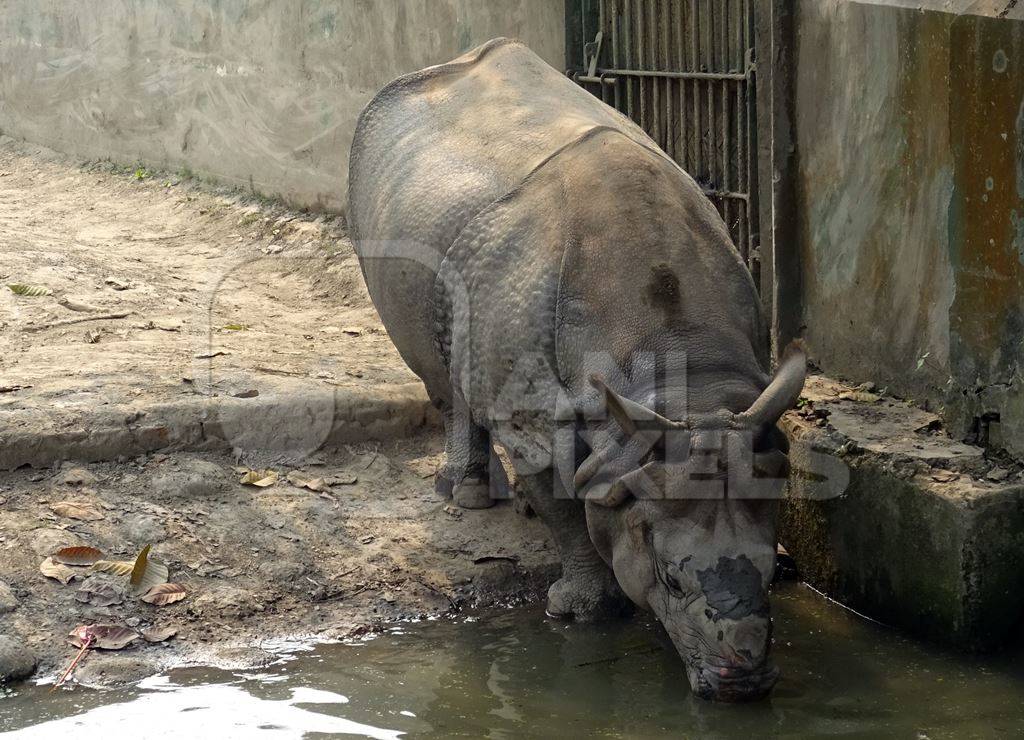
(910,144)
(260,93)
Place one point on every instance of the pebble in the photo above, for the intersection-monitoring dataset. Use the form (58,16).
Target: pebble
(16,661)
(8,601)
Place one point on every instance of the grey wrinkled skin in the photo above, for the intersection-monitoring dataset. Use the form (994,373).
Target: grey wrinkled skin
(522,241)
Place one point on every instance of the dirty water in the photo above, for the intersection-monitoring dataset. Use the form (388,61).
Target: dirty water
(516,673)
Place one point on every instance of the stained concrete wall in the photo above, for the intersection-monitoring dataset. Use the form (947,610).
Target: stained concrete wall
(909,125)
(259,94)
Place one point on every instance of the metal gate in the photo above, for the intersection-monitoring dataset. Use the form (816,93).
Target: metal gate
(684,71)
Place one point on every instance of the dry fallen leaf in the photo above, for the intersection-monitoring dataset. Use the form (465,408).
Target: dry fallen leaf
(860,397)
(75,510)
(260,478)
(114,567)
(77,556)
(56,571)
(159,634)
(345,479)
(301,480)
(164,594)
(96,593)
(146,573)
(103,636)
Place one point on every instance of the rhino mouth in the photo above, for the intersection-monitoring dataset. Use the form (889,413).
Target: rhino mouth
(733,685)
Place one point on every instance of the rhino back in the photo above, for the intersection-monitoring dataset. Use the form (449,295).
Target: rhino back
(435,148)
(605,254)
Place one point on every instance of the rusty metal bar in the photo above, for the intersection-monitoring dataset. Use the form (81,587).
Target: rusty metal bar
(703,76)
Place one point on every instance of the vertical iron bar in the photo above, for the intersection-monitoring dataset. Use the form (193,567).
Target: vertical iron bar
(627,21)
(697,131)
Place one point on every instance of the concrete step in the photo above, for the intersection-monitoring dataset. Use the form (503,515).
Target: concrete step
(928,533)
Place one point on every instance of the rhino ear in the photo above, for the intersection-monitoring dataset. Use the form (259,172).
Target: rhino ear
(630,415)
(784,390)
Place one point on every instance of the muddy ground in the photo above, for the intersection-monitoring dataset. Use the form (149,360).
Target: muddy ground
(146,276)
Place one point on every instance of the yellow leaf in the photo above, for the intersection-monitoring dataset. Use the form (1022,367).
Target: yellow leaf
(146,573)
(114,567)
(260,478)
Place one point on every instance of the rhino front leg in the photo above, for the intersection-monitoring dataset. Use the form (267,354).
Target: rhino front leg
(587,590)
(472,474)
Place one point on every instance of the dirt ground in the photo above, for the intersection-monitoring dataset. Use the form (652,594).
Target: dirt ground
(146,276)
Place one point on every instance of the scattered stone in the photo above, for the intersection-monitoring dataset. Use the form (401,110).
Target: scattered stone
(8,601)
(112,669)
(16,661)
(283,571)
(998,475)
(117,283)
(77,477)
(144,529)
(45,542)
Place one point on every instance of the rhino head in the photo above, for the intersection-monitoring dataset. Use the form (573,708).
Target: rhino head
(685,514)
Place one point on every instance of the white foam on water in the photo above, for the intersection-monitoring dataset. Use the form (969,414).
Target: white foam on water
(223,711)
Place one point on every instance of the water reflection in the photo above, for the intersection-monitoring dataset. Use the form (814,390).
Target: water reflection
(515,673)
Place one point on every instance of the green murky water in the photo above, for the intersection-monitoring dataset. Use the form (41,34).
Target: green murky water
(515,673)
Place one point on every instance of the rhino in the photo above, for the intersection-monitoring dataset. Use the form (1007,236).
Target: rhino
(567,293)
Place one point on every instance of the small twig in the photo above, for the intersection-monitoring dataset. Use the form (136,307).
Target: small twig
(154,238)
(616,658)
(79,320)
(85,646)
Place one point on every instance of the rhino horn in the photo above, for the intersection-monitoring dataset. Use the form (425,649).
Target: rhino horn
(782,393)
(631,415)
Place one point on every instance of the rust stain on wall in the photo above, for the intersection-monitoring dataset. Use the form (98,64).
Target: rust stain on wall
(987,84)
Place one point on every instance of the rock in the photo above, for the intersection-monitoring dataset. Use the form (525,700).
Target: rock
(144,529)
(8,601)
(16,661)
(45,542)
(283,571)
(998,474)
(76,477)
(195,479)
(113,669)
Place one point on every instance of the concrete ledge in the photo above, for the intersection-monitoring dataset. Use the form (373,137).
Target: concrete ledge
(923,538)
(288,420)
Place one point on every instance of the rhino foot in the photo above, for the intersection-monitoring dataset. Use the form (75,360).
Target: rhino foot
(473,493)
(589,597)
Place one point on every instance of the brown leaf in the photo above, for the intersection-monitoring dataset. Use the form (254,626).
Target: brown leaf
(159,634)
(103,636)
(73,510)
(164,594)
(259,478)
(56,571)
(146,573)
(114,567)
(77,556)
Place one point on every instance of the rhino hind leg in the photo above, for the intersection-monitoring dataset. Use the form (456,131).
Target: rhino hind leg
(472,474)
(587,590)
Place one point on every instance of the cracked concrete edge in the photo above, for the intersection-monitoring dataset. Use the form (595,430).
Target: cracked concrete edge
(938,559)
(285,424)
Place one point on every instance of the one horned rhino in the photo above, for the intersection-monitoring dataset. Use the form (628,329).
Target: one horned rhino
(566,291)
